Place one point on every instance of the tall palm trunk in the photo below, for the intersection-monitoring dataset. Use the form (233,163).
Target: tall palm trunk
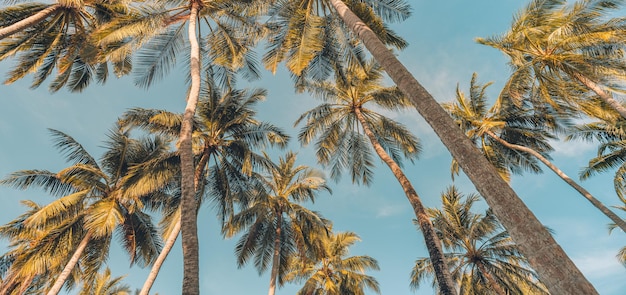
(171,238)
(554,268)
(595,202)
(437,258)
(492,282)
(70,265)
(276,258)
(29,21)
(191,280)
(605,96)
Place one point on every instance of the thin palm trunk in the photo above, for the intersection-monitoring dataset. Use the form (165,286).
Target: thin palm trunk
(595,202)
(171,239)
(437,258)
(492,282)
(29,21)
(191,281)
(276,258)
(26,284)
(554,267)
(605,96)
(56,288)
(156,267)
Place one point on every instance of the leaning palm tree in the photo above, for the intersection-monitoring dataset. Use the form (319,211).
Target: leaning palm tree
(49,36)
(92,206)
(160,31)
(337,124)
(481,256)
(512,137)
(226,133)
(330,271)
(558,272)
(274,225)
(554,44)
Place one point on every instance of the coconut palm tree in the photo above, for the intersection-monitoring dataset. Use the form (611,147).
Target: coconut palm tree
(482,257)
(554,44)
(513,138)
(45,36)
(92,206)
(105,285)
(226,133)
(557,271)
(331,271)
(274,224)
(337,124)
(160,30)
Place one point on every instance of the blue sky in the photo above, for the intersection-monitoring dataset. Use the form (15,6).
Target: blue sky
(442,53)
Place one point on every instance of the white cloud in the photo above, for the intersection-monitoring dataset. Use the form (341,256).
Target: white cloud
(389,210)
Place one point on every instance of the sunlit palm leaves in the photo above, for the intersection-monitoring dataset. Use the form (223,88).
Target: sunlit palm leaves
(274,225)
(331,271)
(91,205)
(482,257)
(59,41)
(309,35)
(560,47)
(333,126)
(228,32)
(519,125)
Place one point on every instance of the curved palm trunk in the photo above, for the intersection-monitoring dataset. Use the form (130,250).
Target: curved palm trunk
(29,21)
(276,258)
(492,282)
(553,266)
(595,202)
(606,97)
(70,265)
(156,267)
(437,258)
(171,239)
(191,280)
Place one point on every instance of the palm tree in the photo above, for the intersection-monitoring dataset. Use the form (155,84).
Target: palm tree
(275,226)
(231,34)
(338,124)
(330,271)
(512,137)
(105,285)
(555,268)
(46,36)
(93,204)
(225,134)
(481,256)
(553,44)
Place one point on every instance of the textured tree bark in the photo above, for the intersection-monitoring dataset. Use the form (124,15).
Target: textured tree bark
(189,226)
(276,257)
(595,202)
(606,97)
(29,21)
(56,288)
(433,244)
(553,266)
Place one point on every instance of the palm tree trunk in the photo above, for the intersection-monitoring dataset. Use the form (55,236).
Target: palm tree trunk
(606,97)
(492,282)
(191,280)
(70,265)
(26,284)
(29,21)
(553,266)
(595,202)
(276,258)
(156,267)
(437,258)
(171,239)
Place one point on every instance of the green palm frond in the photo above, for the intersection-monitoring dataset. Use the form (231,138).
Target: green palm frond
(479,251)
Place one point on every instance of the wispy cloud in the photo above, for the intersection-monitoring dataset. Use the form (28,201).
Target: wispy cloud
(389,210)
